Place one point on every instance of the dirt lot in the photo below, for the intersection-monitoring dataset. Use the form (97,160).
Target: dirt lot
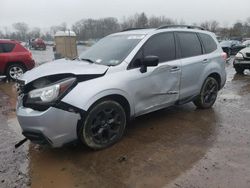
(175,147)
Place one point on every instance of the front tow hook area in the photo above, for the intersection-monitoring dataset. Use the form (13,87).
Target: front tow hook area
(21,143)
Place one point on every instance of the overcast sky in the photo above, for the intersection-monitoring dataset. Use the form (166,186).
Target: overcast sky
(44,13)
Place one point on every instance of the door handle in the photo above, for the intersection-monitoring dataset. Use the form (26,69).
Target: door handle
(175,69)
(205,61)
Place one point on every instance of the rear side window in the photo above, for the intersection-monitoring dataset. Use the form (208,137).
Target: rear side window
(161,45)
(6,47)
(208,43)
(190,44)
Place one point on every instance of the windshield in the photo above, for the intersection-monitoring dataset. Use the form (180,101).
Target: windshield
(111,50)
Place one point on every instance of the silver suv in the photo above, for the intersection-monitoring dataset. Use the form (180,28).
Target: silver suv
(124,75)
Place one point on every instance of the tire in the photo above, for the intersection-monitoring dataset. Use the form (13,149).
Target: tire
(14,71)
(239,70)
(208,94)
(104,125)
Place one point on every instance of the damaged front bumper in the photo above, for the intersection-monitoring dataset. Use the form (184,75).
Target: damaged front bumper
(54,126)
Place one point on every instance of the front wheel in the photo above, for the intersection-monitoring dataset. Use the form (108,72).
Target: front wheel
(104,125)
(208,94)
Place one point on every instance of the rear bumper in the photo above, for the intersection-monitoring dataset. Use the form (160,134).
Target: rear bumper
(54,126)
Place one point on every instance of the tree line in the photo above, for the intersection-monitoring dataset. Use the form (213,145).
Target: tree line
(86,29)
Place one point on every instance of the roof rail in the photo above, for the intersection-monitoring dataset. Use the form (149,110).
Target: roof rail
(181,26)
(134,28)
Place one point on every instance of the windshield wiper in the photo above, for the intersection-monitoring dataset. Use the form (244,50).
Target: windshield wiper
(88,60)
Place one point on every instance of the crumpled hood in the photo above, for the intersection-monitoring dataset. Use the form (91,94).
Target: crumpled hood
(63,66)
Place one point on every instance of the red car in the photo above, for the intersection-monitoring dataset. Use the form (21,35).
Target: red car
(14,59)
(38,44)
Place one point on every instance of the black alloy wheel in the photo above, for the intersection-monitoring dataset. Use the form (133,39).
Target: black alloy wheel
(208,94)
(104,125)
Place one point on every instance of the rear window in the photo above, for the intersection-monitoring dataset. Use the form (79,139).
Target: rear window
(190,44)
(6,47)
(208,43)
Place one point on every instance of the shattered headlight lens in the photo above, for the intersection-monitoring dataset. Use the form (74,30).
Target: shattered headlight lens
(46,94)
(51,93)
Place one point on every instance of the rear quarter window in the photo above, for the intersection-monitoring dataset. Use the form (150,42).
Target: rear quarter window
(6,47)
(190,44)
(208,43)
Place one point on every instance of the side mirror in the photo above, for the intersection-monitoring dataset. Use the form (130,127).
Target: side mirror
(149,61)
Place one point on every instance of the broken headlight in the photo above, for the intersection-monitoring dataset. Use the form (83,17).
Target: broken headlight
(50,94)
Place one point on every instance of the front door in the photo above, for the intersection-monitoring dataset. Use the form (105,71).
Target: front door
(159,86)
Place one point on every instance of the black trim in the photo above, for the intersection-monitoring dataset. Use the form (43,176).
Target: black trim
(181,26)
(202,44)
(37,137)
(186,100)
(69,108)
(135,28)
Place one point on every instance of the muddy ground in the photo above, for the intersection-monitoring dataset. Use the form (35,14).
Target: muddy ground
(175,147)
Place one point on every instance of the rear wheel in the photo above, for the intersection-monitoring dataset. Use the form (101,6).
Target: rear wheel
(208,94)
(14,71)
(104,125)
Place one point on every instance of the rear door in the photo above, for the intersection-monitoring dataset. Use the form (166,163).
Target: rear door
(192,62)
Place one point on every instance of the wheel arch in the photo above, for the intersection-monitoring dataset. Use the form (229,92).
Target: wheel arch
(121,99)
(117,98)
(217,77)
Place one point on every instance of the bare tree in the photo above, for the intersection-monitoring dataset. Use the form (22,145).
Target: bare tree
(155,22)
(35,33)
(141,20)
(212,25)
(22,29)
(55,28)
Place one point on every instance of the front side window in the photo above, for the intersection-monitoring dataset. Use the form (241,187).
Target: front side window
(160,45)
(112,50)
(190,44)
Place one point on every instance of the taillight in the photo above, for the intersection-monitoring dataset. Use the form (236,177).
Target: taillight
(224,56)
